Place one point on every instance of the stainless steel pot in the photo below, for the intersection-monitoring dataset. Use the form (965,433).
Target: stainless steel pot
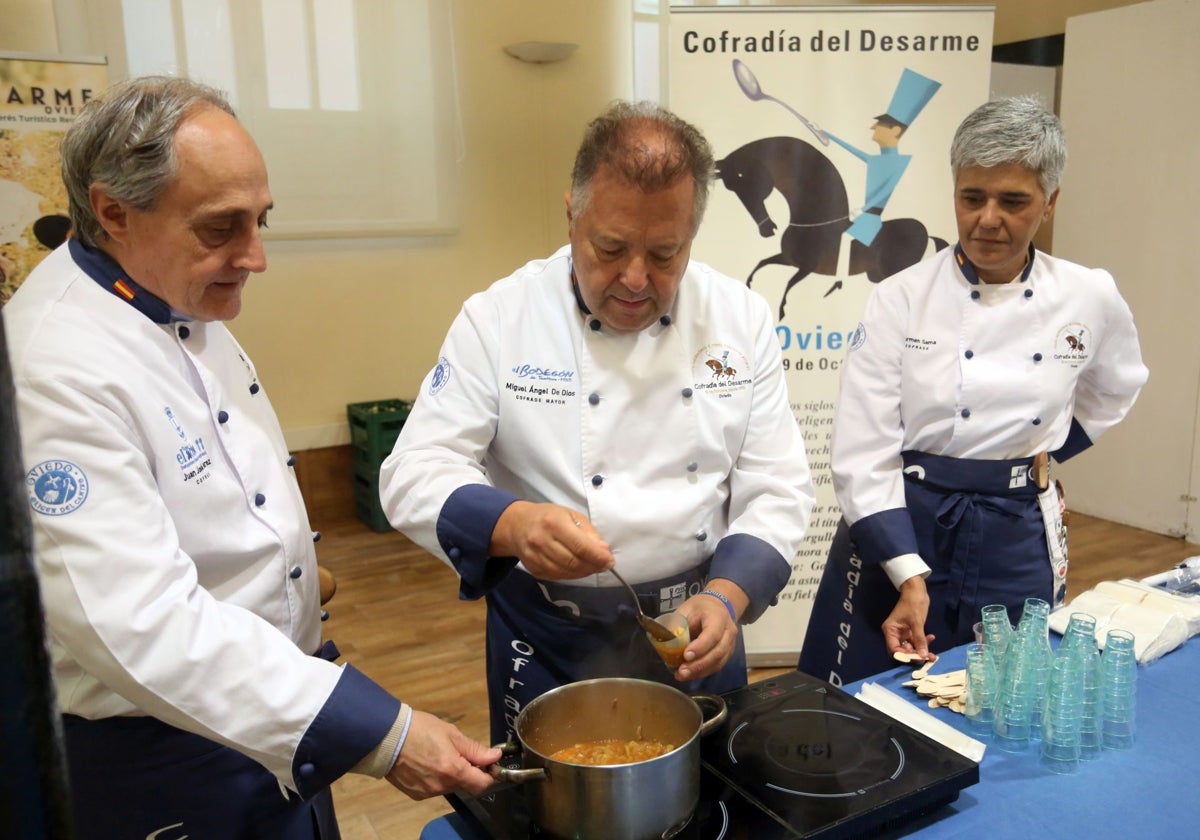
(646,800)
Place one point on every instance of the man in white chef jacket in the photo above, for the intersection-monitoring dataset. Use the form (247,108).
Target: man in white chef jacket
(176,563)
(614,405)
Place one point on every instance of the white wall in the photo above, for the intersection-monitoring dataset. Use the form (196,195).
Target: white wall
(1131,203)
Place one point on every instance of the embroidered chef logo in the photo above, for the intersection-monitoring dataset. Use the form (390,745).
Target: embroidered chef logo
(193,461)
(56,487)
(720,369)
(174,422)
(858,338)
(543,374)
(1071,345)
(192,457)
(441,376)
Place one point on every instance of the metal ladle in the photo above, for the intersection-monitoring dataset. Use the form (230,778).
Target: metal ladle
(654,628)
(748,82)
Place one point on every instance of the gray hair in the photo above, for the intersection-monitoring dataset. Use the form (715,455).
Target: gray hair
(618,139)
(1016,129)
(125,140)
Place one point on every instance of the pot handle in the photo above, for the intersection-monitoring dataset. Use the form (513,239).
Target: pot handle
(512,775)
(720,710)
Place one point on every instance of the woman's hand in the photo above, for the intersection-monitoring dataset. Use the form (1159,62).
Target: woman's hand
(904,629)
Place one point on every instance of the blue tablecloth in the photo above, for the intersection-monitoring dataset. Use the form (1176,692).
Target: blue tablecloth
(1147,792)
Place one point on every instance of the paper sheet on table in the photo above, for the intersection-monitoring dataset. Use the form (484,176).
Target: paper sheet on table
(902,710)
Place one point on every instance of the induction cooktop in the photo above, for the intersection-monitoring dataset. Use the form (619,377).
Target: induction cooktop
(797,759)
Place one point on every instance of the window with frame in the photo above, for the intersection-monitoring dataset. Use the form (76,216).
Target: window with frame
(352,102)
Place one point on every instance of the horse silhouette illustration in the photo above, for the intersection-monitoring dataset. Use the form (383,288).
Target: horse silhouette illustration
(719,369)
(1076,343)
(819,213)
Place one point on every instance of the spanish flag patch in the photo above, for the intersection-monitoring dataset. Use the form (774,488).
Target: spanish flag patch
(123,290)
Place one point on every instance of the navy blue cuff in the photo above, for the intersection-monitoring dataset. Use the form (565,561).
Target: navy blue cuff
(756,567)
(1077,441)
(884,535)
(354,720)
(464,531)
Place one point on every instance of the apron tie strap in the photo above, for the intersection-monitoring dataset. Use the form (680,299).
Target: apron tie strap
(959,524)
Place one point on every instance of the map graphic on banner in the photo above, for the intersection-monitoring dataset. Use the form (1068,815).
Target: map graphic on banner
(39,98)
(831,127)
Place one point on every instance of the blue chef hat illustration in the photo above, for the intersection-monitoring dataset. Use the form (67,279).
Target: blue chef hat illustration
(913,93)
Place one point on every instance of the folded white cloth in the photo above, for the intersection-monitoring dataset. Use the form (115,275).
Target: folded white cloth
(1159,622)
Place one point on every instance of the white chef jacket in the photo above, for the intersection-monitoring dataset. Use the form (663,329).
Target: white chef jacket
(669,439)
(945,364)
(176,564)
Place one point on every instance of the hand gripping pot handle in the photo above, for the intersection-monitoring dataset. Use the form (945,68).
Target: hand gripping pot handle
(512,775)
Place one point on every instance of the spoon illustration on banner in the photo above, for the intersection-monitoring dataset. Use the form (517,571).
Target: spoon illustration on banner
(748,82)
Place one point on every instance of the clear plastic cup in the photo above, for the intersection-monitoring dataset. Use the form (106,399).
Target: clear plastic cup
(672,651)
(982,683)
(1118,691)
(997,630)
(1062,716)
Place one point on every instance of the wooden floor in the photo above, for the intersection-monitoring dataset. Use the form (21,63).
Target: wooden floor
(397,617)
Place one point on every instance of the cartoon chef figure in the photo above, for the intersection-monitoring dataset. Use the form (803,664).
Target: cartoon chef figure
(885,169)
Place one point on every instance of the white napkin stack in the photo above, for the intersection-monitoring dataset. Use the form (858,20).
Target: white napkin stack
(1158,620)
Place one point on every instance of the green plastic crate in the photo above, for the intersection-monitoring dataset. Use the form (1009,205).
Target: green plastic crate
(366,500)
(374,427)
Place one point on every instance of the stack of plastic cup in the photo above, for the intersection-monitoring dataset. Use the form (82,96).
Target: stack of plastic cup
(1034,631)
(1118,689)
(982,682)
(997,632)
(1079,642)
(1062,715)
(1012,725)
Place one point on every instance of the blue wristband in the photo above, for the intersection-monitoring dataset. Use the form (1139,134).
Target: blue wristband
(728,604)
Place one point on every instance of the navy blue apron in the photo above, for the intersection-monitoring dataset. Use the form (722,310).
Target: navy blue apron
(543,634)
(137,777)
(980,530)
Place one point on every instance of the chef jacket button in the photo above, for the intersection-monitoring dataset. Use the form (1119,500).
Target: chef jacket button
(969,354)
(1029,293)
(253,387)
(324,615)
(594,398)
(1037,421)
(184,332)
(597,480)
(260,499)
(222,416)
(665,320)
(966,412)
(687,393)
(1037,357)
(295,572)
(595,324)
(454,553)
(291,462)
(701,535)
(316,536)
(974,295)
(692,467)
(307,769)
